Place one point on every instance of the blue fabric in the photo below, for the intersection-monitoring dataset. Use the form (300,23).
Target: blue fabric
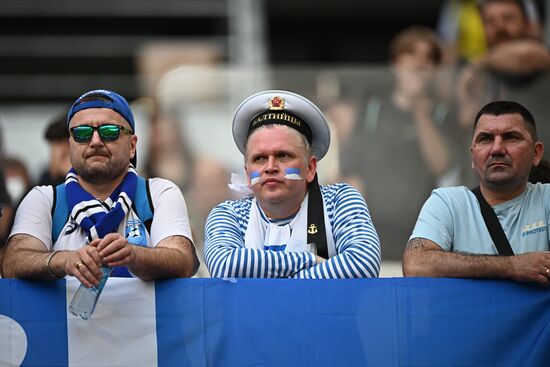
(142,204)
(98,218)
(180,338)
(40,308)
(275,247)
(142,201)
(60,212)
(286,322)
(118,104)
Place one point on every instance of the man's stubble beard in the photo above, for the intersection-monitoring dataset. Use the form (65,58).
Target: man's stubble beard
(100,174)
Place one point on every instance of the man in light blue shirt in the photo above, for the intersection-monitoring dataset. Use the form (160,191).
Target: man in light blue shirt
(450,238)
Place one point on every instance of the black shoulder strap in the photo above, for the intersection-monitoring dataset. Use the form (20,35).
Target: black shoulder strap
(316,232)
(493,225)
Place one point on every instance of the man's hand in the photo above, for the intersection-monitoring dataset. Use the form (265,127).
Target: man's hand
(532,267)
(84,264)
(519,57)
(422,108)
(115,250)
(470,91)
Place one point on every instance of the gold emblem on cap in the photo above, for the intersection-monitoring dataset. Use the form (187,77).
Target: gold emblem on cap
(276,103)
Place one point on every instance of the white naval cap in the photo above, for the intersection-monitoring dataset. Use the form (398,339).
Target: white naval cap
(285,108)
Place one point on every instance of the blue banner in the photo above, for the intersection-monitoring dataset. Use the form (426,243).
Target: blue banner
(270,322)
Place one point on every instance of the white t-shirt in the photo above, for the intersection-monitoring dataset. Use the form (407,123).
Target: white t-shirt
(170,218)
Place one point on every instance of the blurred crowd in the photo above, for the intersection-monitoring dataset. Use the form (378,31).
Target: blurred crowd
(400,142)
(394,139)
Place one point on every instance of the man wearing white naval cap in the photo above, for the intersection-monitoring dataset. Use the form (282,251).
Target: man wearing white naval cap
(290,226)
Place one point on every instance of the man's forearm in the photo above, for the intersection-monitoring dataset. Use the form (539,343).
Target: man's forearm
(173,259)
(521,57)
(226,262)
(422,261)
(30,264)
(432,146)
(25,261)
(425,258)
(353,263)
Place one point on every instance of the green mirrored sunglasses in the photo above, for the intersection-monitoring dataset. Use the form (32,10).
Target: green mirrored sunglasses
(84,133)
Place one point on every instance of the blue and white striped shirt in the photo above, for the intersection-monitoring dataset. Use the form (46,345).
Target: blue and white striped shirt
(356,241)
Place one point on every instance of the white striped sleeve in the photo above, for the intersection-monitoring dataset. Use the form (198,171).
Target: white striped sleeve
(357,243)
(227,257)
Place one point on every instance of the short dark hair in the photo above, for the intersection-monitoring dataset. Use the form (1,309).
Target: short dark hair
(520,4)
(57,129)
(497,108)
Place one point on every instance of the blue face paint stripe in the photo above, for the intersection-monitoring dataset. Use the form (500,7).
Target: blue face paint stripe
(296,171)
(293,173)
(254,177)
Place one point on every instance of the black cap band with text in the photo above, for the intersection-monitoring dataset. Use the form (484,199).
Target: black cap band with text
(281,118)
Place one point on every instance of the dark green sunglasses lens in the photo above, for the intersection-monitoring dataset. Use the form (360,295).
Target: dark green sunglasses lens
(82,134)
(109,132)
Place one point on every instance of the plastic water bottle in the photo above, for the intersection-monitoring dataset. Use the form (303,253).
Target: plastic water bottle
(85,299)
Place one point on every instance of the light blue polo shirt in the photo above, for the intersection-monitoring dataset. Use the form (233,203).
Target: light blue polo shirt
(451,218)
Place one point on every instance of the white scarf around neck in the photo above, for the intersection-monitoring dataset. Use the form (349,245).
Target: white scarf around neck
(261,234)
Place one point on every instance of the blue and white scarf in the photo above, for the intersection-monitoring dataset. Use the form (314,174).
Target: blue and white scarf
(99,218)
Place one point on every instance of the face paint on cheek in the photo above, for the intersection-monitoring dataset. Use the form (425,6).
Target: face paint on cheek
(254,178)
(293,174)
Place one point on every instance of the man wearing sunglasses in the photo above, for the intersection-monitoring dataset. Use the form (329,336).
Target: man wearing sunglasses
(101,204)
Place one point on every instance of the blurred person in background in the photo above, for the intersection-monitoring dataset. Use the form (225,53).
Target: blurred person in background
(57,136)
(208,188)
(514,67)
(460,29)
(6,207)
(169,155)
(399,148)
(17,184)
(18,180)
(6,213)
(203,180)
